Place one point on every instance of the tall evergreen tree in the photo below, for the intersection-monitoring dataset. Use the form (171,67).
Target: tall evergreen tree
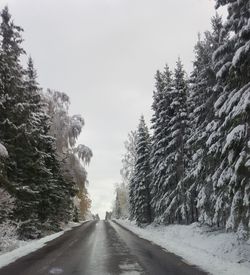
(141,177)
(176,204)
(201,100)
(200,157)
(169,152)
(53,192)
(161,141)
(14,112)
(231,174)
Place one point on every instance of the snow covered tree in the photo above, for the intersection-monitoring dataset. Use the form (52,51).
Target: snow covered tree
(200,156)
(6,201)
(120,209)
(33,175)
(174,197)
(84,203)
(179,121)
(7,204)
(161,141)
(66,130)
(169,152)
(231,123)
(200,102)
(124,204)
(3,156)
(141,176)
(127,172)
(129,158)
(14,120)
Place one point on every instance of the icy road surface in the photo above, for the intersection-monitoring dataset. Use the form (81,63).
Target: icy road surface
(100,248)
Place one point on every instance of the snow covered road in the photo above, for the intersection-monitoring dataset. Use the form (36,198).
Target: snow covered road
(100,248)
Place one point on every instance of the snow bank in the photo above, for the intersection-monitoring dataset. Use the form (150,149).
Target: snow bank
(26,247)
(214,251)
(8,237)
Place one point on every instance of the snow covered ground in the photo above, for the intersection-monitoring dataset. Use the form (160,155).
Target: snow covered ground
(217,252)
(21,248)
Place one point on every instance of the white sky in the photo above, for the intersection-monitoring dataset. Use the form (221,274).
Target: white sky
(104,54)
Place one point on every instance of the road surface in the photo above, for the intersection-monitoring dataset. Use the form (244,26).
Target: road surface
(100,248)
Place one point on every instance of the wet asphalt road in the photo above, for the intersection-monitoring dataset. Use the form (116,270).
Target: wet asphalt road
(100,248)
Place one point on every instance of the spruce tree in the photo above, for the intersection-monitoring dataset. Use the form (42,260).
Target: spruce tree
(53,192)
(132,199)
(169,152)
(141,177)
(176,205)
(231,174)
(14,122)
(201,100)
(160,141)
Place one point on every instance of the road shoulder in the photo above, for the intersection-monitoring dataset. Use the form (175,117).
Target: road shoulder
(215,252)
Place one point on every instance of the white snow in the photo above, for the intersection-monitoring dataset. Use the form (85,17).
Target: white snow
(223,70)
(217,252)
(241,52)
(3,151)
(237,56)
(225,176)
(247,164)
(211,138)
(26,247)
(234,136)
(219,101)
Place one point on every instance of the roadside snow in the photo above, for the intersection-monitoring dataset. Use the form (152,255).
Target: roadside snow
(26,247)
(217,252)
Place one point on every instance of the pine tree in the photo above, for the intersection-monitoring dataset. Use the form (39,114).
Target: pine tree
(141,177)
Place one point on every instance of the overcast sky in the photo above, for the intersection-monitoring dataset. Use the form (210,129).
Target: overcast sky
(104,54)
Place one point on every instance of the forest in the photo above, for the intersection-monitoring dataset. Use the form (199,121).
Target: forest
(182,195)
(43,178)
(193,163)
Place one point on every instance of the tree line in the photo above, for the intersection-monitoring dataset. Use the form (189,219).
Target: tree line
(195,166)
(42,170)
